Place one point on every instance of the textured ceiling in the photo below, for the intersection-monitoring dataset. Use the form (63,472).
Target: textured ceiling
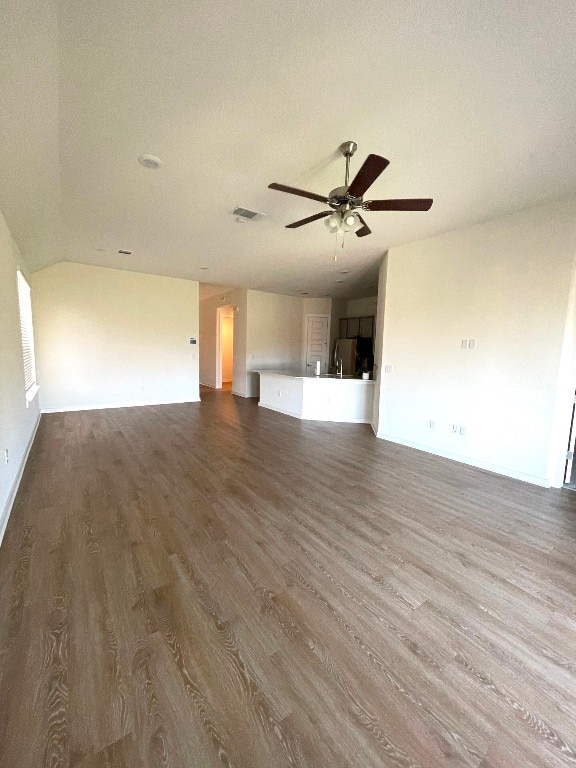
(472,103)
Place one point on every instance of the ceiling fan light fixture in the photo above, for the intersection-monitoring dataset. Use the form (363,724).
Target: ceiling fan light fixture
(349,221)
(334,222)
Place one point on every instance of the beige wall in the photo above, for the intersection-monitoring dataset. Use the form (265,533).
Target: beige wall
(274,335)
(267,335)
(506,284)
(321,306)
(378,338)
(18,419)
(361,307)
(108,338)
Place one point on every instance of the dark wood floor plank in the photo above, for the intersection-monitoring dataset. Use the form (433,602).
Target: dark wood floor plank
(100,695)
(202,585)
(406,688)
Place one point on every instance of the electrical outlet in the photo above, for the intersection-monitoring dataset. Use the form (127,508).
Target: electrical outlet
(464,344)
(6,455)
(432,424)
(454,429)
(388,368)
(471,343)
(462,430)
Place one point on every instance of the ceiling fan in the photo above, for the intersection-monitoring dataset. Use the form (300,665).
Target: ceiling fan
(345,200)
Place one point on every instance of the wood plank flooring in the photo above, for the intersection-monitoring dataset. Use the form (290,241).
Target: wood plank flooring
(218,585)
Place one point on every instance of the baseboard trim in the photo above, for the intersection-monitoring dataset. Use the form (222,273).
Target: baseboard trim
(100,407)
(296,415)
(543,482)
(16,484)
(284,411)
(212,386)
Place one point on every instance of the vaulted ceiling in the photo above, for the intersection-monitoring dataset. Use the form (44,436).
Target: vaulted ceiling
(472,103)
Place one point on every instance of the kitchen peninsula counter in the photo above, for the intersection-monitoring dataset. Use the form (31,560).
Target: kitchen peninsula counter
(320,398)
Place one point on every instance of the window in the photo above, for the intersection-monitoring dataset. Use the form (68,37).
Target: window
(27,333)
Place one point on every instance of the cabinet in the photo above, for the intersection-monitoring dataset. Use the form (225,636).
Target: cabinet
(356,327)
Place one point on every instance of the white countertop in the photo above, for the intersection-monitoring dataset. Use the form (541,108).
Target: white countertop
(310,375)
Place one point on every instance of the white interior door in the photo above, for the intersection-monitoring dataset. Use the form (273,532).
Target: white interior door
(317,342)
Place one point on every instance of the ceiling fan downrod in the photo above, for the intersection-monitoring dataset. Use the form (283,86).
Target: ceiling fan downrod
(348,148)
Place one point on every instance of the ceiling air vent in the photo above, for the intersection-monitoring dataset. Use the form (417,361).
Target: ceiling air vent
(245,214)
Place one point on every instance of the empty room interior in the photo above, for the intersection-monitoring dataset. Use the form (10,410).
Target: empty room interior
(287,384)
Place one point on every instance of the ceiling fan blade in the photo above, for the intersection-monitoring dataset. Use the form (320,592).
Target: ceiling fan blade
(308,220)
(299,192)
(367,175)
(364,229)
(417,204)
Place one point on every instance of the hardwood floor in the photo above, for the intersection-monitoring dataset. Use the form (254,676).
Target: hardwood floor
(219,585)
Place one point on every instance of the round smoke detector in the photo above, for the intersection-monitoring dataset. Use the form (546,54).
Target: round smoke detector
(150,161)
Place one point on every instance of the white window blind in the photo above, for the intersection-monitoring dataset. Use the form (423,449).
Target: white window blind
(26,332)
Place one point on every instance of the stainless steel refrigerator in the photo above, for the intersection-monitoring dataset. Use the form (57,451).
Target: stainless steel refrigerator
(346,350)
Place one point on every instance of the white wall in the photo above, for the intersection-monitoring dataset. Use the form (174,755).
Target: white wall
(378,340)
(237,297)
(365,307)
(274,335)
(321,306)
(29,127)
(506,284)
(18,420)
(109,338)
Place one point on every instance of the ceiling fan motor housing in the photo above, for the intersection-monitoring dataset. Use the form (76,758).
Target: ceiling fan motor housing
(339,197)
